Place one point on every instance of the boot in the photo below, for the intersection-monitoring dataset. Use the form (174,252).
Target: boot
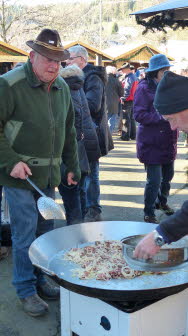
(48,291)
(34,305)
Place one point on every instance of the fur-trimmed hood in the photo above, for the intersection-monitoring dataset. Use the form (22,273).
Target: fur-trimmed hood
(70,71)
(73,76)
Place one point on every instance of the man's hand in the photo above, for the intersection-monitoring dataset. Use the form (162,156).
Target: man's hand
(21,170)
(70,180)
(146,248)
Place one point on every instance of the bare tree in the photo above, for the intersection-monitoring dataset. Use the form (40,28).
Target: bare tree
(9,14)
(17,20)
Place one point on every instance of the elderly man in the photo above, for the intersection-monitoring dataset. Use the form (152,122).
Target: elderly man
(94,88)
(36,129)
(171,101)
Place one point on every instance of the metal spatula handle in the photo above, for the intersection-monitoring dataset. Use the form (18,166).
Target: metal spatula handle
(34,186)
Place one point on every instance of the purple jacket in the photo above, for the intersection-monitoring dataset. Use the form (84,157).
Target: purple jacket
(156,142)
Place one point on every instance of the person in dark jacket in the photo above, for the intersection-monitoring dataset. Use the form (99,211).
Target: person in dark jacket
(74,197)
(94,88)
(156,142)
(128,82)
(171,101)
(114,90)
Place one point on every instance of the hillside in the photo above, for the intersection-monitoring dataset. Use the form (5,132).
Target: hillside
(101,23)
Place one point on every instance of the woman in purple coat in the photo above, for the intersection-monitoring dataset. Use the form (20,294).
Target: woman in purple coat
(156,142)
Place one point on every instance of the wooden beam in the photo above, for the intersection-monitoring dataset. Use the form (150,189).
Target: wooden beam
(12,59)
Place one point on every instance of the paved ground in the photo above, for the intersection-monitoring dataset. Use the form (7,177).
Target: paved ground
(122,185)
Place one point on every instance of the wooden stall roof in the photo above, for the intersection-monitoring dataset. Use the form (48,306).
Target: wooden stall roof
(141,53)
(9,53)
(138,54)
(91,50)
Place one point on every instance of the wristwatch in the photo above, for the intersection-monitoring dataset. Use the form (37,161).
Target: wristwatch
(158,239)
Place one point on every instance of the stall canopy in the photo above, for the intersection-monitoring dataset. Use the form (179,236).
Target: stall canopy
(137,55)
(9,53)
(171,13)
(9,56)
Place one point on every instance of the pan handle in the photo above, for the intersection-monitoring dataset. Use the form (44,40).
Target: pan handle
(45,270)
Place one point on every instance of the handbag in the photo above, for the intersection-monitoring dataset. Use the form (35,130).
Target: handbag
(104,136)
(82,156)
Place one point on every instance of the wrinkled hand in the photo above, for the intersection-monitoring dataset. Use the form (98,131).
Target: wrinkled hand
(70,180)
(146,248)
(21,170)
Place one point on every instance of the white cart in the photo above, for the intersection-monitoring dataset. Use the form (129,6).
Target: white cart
(86,316)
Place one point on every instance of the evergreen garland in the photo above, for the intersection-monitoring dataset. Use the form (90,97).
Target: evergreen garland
(13,53)
(133,55)
(161,21)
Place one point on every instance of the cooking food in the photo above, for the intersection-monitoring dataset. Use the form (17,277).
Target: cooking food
(102,260)
(47,252)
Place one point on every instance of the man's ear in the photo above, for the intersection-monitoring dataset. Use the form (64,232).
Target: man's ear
(31,55)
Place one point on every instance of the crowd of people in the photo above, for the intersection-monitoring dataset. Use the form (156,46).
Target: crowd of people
(57,134)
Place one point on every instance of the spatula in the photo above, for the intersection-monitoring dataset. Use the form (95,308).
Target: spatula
(48,208)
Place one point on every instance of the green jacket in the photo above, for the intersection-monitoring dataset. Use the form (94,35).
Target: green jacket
(36,127)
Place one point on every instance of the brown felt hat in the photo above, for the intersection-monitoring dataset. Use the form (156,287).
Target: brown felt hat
(48,44)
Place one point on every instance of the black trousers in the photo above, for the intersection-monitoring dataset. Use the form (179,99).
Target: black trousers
(129,124)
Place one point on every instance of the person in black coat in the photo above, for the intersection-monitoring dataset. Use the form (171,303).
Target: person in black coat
(114,90)
(74,197)
(94,88)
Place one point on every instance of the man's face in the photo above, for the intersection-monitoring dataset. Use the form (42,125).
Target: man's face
(45,69)
(126,71)
(178,120)
(75,59)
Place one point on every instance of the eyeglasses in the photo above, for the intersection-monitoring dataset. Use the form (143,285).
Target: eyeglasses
(71,58)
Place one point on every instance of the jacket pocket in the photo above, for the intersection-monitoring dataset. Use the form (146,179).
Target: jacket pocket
(12,129)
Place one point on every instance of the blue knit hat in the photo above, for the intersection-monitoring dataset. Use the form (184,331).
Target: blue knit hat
(172,94)
(158,62)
